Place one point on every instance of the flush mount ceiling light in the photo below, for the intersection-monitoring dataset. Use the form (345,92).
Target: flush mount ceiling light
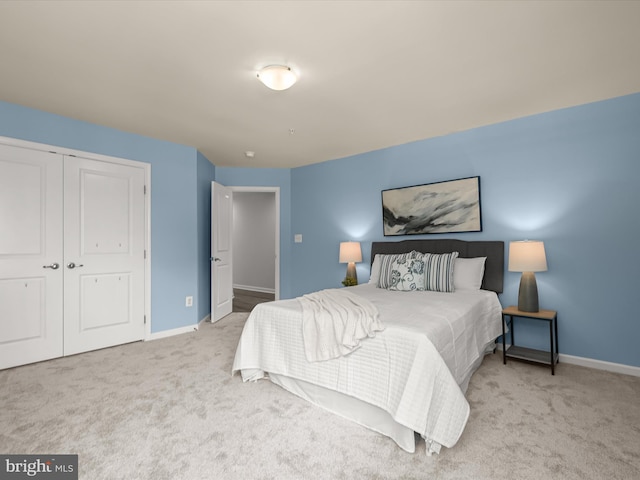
(277,77)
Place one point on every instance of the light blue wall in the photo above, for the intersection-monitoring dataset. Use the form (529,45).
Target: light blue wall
(174,236)
(268,177)
(206,174)
(568,177)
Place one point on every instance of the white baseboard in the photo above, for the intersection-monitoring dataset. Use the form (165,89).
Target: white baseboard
(179,331)
(601,365)
(172,332)
(593,363)
(255,289)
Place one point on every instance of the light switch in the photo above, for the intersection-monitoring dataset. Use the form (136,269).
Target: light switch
(297,238)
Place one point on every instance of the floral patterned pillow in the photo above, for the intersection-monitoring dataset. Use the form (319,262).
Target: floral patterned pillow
(387,263)
(407,275)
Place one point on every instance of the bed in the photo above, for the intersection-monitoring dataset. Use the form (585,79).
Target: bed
(410,377)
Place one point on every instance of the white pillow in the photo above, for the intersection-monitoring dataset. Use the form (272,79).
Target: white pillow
(468,273)
(375,269)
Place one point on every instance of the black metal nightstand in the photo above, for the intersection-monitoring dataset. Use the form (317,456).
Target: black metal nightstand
(529,354)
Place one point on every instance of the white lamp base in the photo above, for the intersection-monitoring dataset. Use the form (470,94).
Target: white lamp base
(528,293)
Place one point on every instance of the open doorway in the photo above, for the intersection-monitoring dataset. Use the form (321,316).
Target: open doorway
(256,246)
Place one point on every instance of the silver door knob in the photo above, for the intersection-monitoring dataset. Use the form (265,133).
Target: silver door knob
(73,265)
(53,266)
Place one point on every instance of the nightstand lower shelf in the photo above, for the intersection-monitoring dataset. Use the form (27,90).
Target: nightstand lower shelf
(530,355)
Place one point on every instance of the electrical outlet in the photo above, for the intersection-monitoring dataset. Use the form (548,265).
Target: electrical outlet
(188,302)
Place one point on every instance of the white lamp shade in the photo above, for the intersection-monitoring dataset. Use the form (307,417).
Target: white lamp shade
(527,256)
(350,252)
(277,77)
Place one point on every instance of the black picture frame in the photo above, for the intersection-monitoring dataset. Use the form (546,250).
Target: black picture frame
(452,206)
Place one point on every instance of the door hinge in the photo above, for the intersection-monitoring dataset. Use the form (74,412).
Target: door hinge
(145,319)
(145,254)
(145,189)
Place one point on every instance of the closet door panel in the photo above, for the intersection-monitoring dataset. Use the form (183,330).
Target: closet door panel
(31,274)
(104,254)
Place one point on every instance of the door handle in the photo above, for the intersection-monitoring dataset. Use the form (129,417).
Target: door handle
(53,266)
(73,265)
(216,259)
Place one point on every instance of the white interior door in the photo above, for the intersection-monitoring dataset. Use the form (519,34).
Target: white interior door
(221,257)
(104,230)
(31,273)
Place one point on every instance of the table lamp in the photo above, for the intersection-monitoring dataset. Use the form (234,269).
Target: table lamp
(350,253)
(527,256)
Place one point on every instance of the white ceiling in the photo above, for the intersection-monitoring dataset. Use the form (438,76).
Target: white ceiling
(372,73)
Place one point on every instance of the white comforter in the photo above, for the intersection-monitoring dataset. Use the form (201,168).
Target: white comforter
(412,370)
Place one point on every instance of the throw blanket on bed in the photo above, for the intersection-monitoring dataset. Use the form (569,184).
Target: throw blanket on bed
(334,322)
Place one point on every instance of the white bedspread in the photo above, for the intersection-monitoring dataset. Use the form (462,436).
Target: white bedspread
(334,322)
(412,370)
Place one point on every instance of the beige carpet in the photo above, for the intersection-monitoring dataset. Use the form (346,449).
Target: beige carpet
(169,409)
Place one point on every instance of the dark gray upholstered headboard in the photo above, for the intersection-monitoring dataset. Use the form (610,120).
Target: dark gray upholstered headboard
(493,250)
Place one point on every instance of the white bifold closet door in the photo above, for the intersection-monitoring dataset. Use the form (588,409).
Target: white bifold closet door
(72,239)
(31,263)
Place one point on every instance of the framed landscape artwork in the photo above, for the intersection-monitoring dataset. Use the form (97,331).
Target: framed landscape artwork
(442,207)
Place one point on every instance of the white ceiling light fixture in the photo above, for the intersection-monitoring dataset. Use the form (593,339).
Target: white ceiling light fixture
(278,77)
